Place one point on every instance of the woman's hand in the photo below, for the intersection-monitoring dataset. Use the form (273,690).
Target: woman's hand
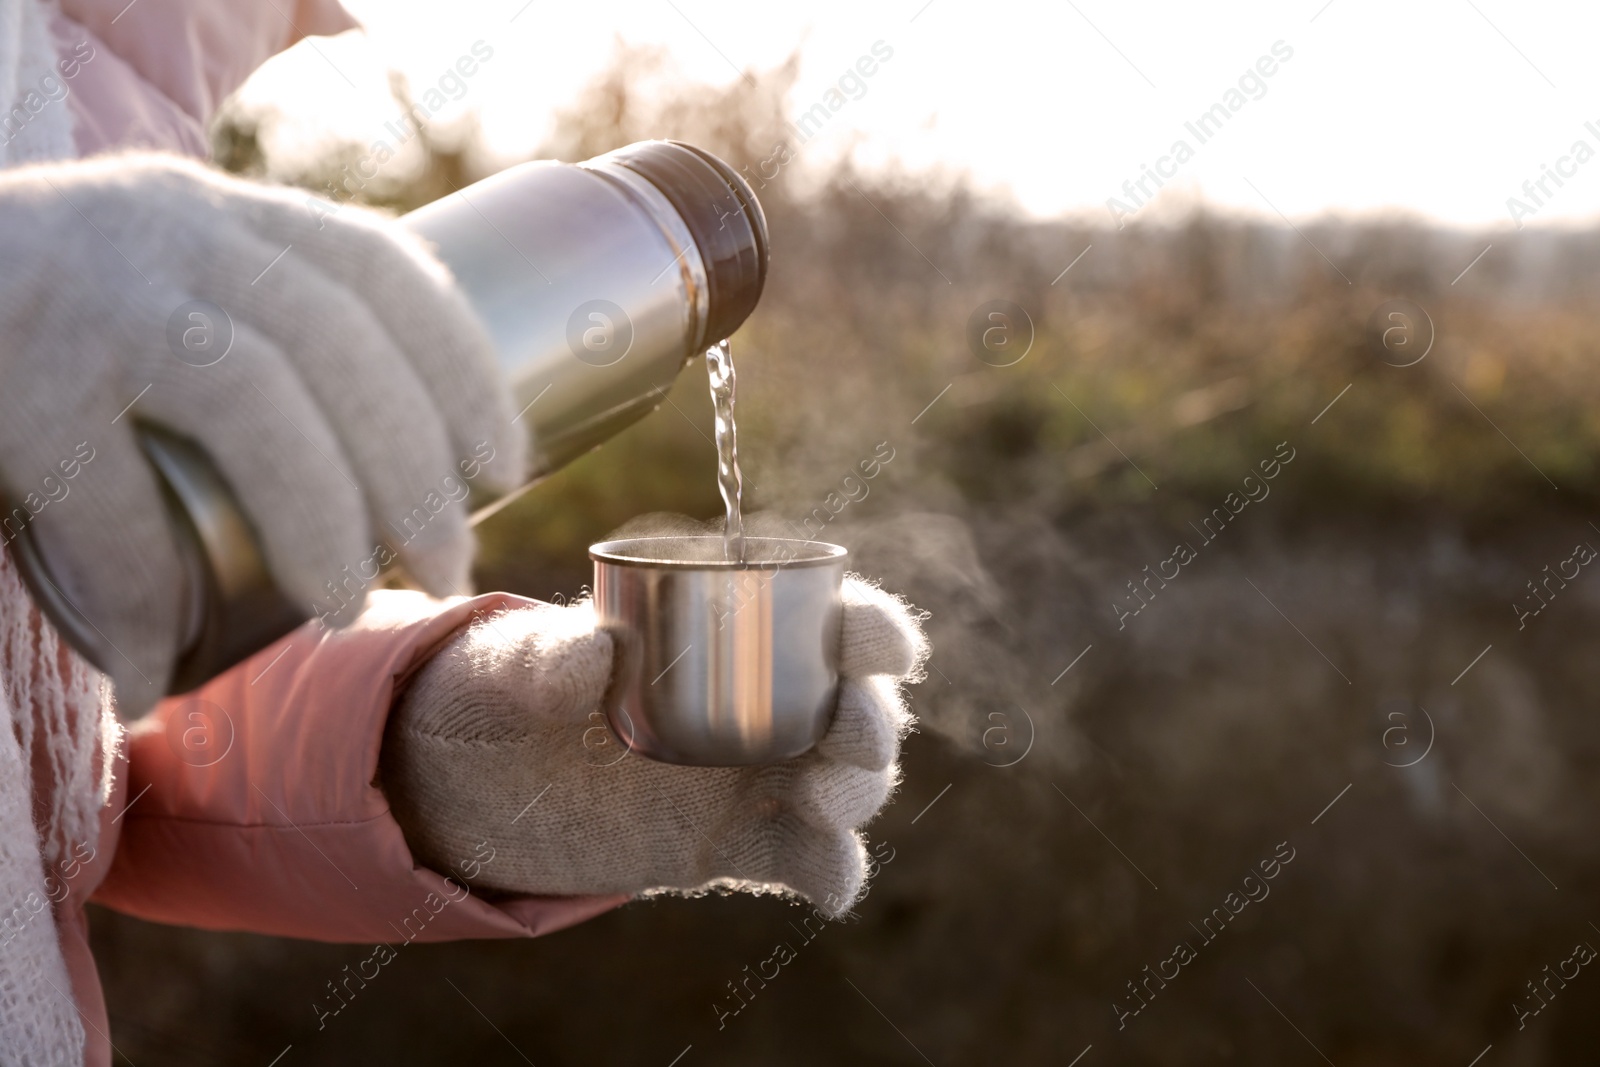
(323,360)
(500,740)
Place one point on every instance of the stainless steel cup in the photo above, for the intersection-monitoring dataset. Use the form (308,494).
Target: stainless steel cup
(720,664)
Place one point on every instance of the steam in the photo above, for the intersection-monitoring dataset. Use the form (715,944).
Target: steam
(988,690)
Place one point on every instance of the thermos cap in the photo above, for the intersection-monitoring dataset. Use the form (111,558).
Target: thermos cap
(722,215)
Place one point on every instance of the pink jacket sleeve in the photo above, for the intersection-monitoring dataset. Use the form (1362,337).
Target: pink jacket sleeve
(255,803)
(151,73)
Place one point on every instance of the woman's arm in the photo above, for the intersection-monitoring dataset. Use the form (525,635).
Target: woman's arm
(151,74)
(256,804)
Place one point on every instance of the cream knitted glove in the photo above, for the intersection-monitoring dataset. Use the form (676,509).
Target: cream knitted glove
(320,356)
(500,739)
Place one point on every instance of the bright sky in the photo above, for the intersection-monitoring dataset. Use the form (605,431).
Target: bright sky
(1442,108)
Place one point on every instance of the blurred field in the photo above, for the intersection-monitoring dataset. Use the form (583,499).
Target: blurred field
(1180,750)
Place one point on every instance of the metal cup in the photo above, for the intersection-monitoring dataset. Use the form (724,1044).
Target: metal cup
(720,664)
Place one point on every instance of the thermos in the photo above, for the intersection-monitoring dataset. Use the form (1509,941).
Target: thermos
(598,282)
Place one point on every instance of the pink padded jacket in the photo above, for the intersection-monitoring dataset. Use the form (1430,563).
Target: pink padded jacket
(253,804)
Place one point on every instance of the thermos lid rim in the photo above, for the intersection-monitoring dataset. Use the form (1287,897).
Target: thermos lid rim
(722,214)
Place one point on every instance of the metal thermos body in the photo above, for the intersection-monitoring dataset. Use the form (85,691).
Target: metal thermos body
(597,282)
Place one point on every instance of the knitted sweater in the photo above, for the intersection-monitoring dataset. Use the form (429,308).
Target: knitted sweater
(57,734)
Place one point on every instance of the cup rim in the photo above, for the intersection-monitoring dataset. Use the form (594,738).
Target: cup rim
(612,552)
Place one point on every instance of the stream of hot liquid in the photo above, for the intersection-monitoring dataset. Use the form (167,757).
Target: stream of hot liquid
(719,365)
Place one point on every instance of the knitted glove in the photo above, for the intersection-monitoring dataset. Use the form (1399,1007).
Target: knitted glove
(499,739)
(320,356)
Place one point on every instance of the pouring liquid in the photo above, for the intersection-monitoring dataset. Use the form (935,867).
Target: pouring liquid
(719,366)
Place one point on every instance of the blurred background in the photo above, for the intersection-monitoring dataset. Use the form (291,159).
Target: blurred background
(1374,659)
